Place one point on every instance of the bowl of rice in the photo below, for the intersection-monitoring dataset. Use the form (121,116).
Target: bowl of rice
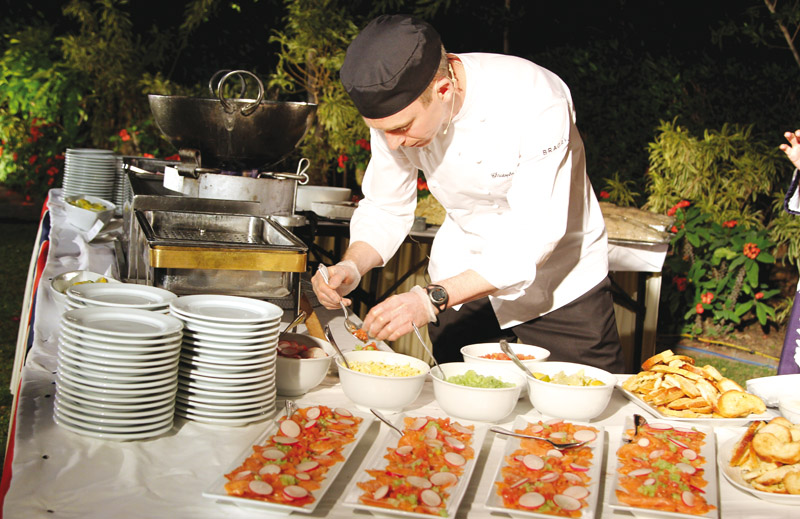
(382,380)
(476,391)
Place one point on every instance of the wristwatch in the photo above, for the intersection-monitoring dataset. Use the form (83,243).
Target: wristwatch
(438,296)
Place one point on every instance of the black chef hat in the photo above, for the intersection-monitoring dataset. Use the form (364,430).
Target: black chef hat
(390,63)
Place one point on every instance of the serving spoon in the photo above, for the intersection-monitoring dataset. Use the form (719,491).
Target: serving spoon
(385,420)
(505,348)
(424,345)
(301,317)
(559,446)
(351,327)
(329,336)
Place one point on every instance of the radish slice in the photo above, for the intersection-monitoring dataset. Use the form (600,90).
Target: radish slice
(547,477)
(310,424)
(518,483)
(685,430)
(578,468)
(660,426)
(346,421)
(554,421)
(284,439)
(333,420)
(572,477)
(430,498)
(689,454)
(584,435)
(337,433)
(566,502)
(269,469)
(455,443)
(687,498)
(436,444)
(418,424)
(554,453)
(576,492)
(533,462)
(302,476)
(649,481)
(381,492)
(536,429)
(460,428)
(686,468)
(289,351)
(290,428)
(260,487)
(313,413)
(441,479)
(679,443)
(453,458)
(416,481)
(531,500)
(243,474)
(639,472)
(643,442)
(273,454)
(295,492)
(431,433)
(404,450)
(655,454)
(326,452)
(341,411)
(306,466)
(558,435)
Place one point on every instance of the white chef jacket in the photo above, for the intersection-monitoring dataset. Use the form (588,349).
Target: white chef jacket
(511,174)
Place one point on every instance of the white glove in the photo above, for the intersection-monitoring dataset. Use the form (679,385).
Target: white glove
(391,319)
(428,304)
(348,272)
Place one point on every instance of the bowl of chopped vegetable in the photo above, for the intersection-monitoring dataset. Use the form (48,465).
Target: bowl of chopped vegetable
(477,391)
(302,363)
(490,354)
(84,210)
(382,380)
(569,390)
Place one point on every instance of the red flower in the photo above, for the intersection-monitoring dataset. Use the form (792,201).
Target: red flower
(364,143)
(759,295)
(680,282)
(730,224)
(124,135)
(707,298)
(50,181)
(682,204)
(342,159)
(671,210)
(699,308)
(60,157)
(33,159)
(674,229)
(52,171)
(148,155)
(173,157)
(604,194)
(751,250)
(14,156)
(422,185)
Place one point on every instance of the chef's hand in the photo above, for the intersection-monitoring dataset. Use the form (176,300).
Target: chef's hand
(392,318)
(793,151)
(342,279)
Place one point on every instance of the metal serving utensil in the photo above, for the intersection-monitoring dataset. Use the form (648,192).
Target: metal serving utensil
(329,336)
(559,446)
(513,356)
(385,420)
(638,421)
(301,318)
(351,327)
(424,345)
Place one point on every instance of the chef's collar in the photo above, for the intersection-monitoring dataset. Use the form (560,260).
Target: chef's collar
(390,64)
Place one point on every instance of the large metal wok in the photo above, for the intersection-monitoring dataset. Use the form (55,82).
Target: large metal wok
(232,134)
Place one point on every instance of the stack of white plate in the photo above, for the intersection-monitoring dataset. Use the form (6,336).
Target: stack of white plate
(226,374)
(117,372)
(119,295)
(122,186)
(89,172)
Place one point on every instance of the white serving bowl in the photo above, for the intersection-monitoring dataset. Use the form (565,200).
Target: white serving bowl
(295,377)
(477,403)
(789,406)
(473,353)
(84,219)
(63,281)
(306,195)
(580,403)
(385,393)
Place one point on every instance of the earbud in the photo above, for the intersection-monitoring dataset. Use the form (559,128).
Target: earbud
(453,104)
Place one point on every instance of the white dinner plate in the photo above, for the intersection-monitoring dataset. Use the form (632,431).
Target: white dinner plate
(224,309)
(120,383)
(72,304)
(190,384)
(244,343)
(261,359)
(110,435)
(105,412)
(229,332)
(113,401)
(132,421)
(115,372)
(139,344)
(707,452)
(97,345)
(375,460)
(225,400)
(151,359)
(223,377)
(183,390)
(734,476)
(111,428)
(220,327)
(230,353)
(770,389)
(267,408)
(495,502)
(122,322)
(122,294)
(110,365)
(231,422)
(253,367)
(81,384)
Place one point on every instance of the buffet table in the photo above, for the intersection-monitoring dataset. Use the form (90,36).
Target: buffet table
(59,474)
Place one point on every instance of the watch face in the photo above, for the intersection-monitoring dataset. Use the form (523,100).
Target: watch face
(439,294)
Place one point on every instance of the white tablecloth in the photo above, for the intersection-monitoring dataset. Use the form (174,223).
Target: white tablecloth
(58,474)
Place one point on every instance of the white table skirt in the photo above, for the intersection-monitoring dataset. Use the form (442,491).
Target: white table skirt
(58,474)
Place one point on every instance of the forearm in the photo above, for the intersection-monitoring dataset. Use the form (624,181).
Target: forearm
(465,287)
(363,255)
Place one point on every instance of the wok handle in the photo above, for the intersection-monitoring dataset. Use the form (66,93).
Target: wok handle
(242,85)
(248,109)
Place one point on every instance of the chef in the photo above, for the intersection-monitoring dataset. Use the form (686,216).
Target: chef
(523,252)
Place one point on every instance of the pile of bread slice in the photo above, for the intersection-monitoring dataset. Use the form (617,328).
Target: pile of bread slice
(768,456)
(675,386)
